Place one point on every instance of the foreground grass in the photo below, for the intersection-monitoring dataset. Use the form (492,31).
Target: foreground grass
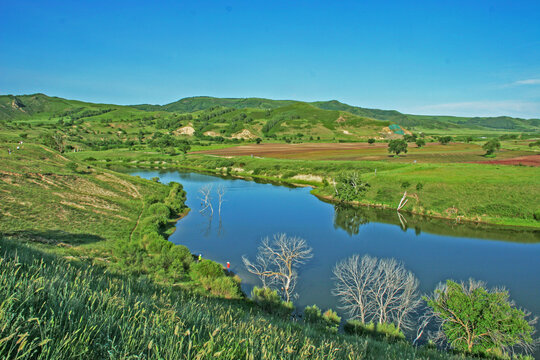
(53,309)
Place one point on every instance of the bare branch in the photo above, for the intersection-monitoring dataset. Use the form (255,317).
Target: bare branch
(206,198)
(277,262)
(377,290)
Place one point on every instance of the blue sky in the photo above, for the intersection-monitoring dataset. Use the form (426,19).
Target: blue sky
(426,57)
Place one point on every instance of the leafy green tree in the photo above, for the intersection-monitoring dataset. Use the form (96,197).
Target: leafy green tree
(371,141)
(349,187)
(491,146)
(420,142)
(476,320)
(258,140)
(410,138)
(444,140)
(397,146)
(54,141)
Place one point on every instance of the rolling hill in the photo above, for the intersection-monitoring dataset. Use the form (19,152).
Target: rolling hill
(247,118)
(420,122)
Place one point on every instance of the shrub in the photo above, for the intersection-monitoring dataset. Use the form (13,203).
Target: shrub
(419,186)
(312,314)
(331,318)
(155,243)
(405,184)
(159,209)
(182,257)
(223,286)
(289,174)
(270,301)
(206,268)
(536,215)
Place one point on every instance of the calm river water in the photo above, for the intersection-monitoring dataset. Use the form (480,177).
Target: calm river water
(435,250)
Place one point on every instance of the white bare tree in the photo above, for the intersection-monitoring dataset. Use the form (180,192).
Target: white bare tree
(277,262)
(377,290)
(206,198)
(221,197)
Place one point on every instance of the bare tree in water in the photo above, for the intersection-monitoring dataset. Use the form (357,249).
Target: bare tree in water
(377,290)
(277,262)
(206,198)
(221,197)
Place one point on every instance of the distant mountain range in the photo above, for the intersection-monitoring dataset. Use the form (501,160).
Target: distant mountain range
(406,120)
(282,114)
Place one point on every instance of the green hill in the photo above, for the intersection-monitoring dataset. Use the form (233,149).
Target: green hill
(242,118)
(196,103)
(206,118)
(436,122)
(420,122)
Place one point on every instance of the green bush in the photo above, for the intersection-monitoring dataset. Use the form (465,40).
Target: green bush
(206,269)
(312,314)
(289,174)
(159,209)
(223,286)
(331,318)
(271,302)
(182,257)
(536,215)
(155,243)
(328,319)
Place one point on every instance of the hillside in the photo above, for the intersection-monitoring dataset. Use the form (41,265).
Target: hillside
(196,103)
(429,122)
(208,119)
(421,122)
(202,118)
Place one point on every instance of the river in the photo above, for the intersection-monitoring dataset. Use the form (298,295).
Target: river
(434,250)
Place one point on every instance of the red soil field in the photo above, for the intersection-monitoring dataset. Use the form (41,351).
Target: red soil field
(530,160)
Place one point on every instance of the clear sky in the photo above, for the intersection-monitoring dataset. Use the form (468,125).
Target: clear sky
(468,57)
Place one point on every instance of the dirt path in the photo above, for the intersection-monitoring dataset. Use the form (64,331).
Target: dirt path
(137,223)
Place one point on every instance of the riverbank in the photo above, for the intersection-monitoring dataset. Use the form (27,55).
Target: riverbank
(459,192)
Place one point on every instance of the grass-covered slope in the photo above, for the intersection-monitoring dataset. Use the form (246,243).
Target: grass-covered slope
(54,309)
(42,193)
(421,122)
(196,103)
(428,122)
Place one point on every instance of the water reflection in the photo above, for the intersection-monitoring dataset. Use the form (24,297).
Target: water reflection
(351,219)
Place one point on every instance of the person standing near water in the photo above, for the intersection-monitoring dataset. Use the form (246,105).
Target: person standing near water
(228,265)
(200,257)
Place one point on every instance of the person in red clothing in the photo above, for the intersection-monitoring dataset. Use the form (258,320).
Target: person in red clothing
(228,265)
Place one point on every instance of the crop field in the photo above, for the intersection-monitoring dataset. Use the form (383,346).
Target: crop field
(431,153)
